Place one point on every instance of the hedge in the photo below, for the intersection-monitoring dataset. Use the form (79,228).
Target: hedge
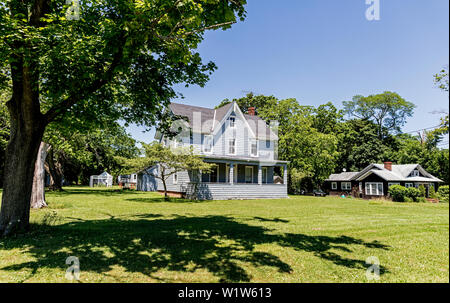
(443,193)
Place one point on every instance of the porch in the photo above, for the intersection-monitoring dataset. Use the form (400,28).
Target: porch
(244,179)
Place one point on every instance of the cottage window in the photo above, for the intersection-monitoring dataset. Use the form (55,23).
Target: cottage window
(415,173)
(207,144)
(334,185)
(254,148)
(374,188)
(346,185)
(232,146)
(408,185)
(175,178)
(393,183)
(267,143)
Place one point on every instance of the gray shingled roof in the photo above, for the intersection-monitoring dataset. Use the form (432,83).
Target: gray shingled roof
(345,176)
(399,172)
(210,116)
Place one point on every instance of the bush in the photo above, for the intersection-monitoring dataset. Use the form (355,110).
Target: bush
(421,200)
(407,199)
(443,193)
(423,191)
(412,193)
(398,193)
(432,192)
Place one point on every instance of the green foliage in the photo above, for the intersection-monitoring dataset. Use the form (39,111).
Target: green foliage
(412,193)
(421,199)
(170,161)
(398,193)
(423,190)
(408,199)
(432,193)
(388,110)
(443,193)
(359,145)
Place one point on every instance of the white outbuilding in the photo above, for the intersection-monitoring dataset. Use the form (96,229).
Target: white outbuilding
(104,179)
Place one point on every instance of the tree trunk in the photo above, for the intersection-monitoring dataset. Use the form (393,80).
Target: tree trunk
(166,196)
(27,128)
(38,191)
(55,172)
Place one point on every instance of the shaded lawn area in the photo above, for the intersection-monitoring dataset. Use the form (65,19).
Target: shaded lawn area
(128,236)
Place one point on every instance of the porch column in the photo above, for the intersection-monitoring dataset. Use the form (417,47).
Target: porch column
(231,176)
(285,175)
(259,174)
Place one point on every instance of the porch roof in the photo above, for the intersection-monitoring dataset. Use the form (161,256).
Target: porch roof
(231,159)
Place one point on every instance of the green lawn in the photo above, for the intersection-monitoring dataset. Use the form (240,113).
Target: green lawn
(137,237)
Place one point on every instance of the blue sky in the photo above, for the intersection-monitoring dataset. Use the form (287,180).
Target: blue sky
(326,50)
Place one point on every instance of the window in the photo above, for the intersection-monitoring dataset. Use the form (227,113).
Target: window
(393,183)
(264,175)
(207,144)
(213,175)
(374,188)
(267,143)
(408,185)
(175,178)
(249,174)
(333,185)
(360,187)
(415,173)
(346,185)
(232,122)
(254,148)
(134,177)
(232,146)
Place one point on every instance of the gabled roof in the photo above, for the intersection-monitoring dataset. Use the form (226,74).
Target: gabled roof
(211,119)
(345,176)
(399,172)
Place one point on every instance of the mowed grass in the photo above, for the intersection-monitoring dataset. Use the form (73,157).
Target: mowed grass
(138,237)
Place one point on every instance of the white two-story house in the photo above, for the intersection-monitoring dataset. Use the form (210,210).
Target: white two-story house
(243,147)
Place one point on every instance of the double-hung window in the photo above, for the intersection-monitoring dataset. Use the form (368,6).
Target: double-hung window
(333,185)
(408,185)
(232,146)
(254,148)
(207,144)
(346,185)
(374,188)
(232,122)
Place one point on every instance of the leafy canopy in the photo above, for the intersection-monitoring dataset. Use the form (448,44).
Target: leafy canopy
(387,110)
(121,58)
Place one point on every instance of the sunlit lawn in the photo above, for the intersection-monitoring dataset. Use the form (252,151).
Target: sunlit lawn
(137,237)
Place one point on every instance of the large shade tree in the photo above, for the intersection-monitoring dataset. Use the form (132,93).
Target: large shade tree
(387,110)
(119,58)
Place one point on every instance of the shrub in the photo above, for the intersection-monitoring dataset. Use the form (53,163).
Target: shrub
(423,190)
(397,193)
(432,192)
(421,200)
(443,193)
(412,193)
(407,199)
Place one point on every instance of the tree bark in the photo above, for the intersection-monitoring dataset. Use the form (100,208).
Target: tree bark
(38,191)
(55,172)
(27,128)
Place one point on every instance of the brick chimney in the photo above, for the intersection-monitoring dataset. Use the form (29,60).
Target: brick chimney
(388,165)
(251,111)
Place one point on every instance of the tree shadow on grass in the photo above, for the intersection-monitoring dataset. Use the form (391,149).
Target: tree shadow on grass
(149,243)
